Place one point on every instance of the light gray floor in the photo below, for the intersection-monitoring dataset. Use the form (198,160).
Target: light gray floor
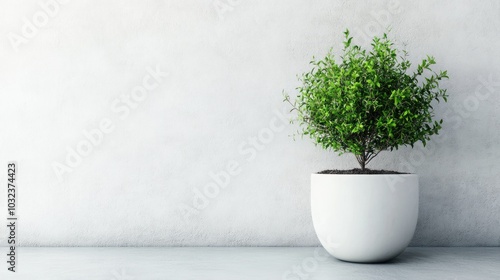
(246,263)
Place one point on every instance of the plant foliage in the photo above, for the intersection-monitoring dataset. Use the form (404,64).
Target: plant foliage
(369,101)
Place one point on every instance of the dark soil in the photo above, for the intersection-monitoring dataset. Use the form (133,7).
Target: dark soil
(359,171)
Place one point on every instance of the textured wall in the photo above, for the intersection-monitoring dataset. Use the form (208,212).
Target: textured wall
(115,151)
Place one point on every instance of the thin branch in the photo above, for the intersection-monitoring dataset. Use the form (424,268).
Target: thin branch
(372,156)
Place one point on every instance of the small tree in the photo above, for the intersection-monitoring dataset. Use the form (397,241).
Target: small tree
(368,102)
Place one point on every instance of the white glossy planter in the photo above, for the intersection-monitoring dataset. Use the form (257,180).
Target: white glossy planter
(364,218)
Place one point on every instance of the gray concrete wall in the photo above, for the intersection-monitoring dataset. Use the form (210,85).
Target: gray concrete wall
(115,151)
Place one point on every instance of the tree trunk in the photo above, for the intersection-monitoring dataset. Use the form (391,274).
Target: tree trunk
(362,161)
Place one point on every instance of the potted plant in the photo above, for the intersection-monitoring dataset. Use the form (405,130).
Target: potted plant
(366,103)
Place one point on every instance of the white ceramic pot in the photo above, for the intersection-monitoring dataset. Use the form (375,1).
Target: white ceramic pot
(364,218)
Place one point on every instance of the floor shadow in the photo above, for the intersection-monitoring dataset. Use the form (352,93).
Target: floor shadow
(409,257)
(405,257)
